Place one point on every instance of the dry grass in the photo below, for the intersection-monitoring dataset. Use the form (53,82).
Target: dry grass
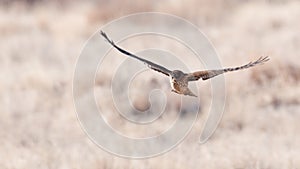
(259,129)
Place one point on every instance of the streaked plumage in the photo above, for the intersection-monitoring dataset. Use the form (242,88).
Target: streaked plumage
(178,79)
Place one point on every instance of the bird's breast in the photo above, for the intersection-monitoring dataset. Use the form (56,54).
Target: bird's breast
(174,84)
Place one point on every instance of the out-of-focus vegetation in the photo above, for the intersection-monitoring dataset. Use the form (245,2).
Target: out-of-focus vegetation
(40,41)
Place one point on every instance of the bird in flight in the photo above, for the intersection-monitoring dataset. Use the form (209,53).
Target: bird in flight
(178,79)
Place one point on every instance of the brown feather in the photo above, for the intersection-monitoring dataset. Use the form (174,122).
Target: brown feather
(150,64)
(207,74)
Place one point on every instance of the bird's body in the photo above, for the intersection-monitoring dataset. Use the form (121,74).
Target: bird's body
(178,79)
(179,83)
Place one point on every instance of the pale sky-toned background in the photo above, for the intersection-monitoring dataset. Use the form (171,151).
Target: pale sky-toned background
(40,41)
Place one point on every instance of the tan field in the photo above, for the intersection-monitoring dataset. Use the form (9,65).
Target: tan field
(40,43)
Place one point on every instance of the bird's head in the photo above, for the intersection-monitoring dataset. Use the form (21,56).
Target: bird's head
(177,74)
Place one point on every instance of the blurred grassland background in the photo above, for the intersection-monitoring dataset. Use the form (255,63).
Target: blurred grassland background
(40,41)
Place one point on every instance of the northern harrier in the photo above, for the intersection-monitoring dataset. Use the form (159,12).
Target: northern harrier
(178,79)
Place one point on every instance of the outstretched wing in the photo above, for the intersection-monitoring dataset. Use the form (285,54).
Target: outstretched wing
(151,65)
(207,74)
